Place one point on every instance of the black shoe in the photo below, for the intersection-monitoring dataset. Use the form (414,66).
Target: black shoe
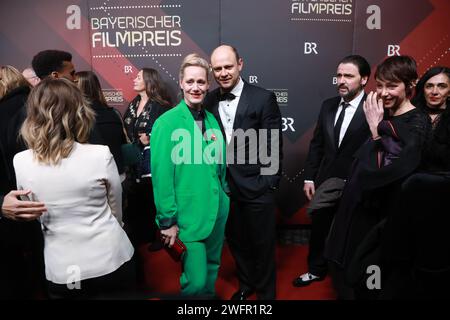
(305,280)
(241,295)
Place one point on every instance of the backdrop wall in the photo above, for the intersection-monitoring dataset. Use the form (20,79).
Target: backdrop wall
(289,46)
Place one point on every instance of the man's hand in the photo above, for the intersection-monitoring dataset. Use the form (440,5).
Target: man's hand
(15,209)
(309,190)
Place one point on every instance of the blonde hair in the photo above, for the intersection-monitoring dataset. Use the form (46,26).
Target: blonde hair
(57,116)
(10,78)
(194,60)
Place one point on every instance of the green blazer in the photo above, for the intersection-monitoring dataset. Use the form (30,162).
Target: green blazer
(188,173)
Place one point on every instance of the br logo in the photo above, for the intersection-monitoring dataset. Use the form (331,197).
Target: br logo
(310,48)
(73,21)
(393,50)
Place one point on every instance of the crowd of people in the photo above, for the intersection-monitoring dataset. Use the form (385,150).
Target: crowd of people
(83,187)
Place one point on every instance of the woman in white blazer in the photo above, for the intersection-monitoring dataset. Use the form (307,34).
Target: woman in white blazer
(87,253)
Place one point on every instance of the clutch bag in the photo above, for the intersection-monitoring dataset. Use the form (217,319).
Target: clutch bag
(177,251)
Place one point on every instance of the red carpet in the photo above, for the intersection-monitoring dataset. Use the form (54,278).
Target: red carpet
(161,276)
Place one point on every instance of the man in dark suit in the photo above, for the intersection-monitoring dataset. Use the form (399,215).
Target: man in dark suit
(340,131)
(251,121)
(19,233)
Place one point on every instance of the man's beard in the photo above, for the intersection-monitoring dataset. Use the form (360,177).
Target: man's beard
(351,94)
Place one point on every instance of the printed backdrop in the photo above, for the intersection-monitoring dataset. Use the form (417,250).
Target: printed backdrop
(289,46)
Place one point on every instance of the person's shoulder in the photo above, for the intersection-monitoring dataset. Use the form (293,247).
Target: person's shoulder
(418,114)
(23,156)
(23,159)
(333,101)
(211,97)
(93,150)
(330,103)
(168,116)
(251,88)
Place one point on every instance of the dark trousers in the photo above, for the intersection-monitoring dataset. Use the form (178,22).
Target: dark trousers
(22,274)
(320,227)
(140,211)
(251,236)
(118,284)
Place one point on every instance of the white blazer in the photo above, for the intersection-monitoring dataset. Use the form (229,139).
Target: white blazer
(83,225)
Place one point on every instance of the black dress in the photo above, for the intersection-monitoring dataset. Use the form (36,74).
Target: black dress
(139,215)
(415,241)
(372,188)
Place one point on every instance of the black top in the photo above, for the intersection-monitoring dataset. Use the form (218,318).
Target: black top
(199,117)
(110,130)
(436,153)
(135,124)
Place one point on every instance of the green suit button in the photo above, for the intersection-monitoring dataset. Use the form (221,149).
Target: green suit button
(215,191)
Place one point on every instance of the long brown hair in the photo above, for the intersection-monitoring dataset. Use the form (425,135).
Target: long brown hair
(57,116)
(155,87)
(90,86)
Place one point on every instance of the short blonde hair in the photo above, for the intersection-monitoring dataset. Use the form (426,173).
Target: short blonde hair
(57,116)
(10,78)
(194,60)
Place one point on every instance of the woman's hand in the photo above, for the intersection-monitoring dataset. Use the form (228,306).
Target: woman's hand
(144,138)
(373,109)
(169,235)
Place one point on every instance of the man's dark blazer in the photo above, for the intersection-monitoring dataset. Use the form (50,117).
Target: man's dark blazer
(325,159)
(257,109)
(12,114)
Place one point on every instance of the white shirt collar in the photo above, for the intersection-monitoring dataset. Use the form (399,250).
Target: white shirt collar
(356,101)
(237,90)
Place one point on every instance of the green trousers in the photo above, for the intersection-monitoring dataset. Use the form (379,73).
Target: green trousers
(202,261)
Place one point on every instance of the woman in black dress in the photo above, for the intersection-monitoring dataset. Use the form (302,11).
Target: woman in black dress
(392,153)
(152,100)
(415,241)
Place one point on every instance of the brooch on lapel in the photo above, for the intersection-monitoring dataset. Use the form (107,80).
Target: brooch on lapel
(213,137)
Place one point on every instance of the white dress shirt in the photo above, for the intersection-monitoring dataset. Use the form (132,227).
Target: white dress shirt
(83,225)
(228,108)
(349,113)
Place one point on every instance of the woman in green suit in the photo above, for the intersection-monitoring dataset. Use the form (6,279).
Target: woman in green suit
(188,168)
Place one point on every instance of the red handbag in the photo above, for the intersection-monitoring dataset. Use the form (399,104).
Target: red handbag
(177,251)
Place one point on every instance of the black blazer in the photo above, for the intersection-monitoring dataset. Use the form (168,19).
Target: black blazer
(14,235)
(12,115)
(257,109)
(325,159)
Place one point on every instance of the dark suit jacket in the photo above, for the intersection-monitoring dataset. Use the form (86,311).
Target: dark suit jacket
(12,115)
(325,159)
(13,234)
(257,109)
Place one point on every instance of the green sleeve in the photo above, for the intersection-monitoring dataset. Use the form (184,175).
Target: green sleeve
(163,175)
